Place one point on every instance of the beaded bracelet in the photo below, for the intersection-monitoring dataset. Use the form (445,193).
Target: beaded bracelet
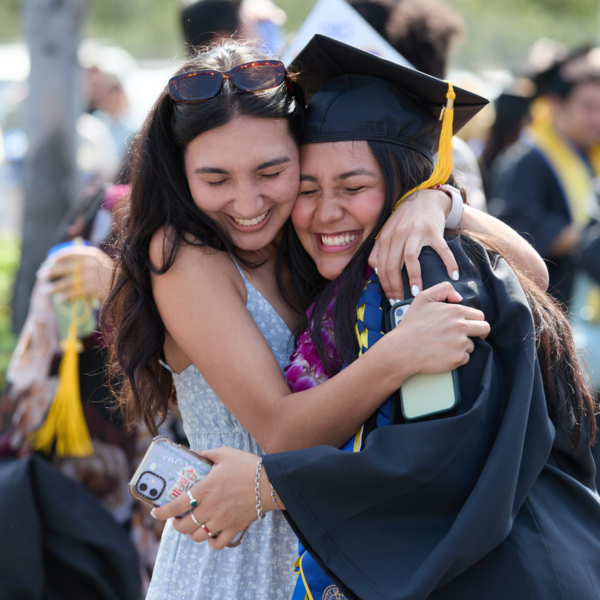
(259,510)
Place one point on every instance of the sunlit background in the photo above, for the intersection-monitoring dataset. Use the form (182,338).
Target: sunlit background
(140,42)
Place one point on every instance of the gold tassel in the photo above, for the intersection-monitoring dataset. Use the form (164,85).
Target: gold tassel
(65,421)
(445,160)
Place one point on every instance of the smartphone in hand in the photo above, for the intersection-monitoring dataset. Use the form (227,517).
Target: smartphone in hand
(166,472)
(423,395)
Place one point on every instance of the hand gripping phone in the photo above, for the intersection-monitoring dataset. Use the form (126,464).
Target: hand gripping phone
(423,395)
(166,472)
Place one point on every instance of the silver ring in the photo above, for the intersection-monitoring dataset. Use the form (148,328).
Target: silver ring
(193,501)
(194,519)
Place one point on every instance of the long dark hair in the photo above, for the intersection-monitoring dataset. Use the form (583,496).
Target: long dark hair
(568,394)
(160,197)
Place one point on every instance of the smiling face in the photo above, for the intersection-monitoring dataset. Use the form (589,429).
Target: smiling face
(342,194)
(244,175)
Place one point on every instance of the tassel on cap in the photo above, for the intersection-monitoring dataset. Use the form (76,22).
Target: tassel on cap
(65,421)
(445,158)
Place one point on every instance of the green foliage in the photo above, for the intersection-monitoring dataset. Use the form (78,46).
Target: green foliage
(10,254)
(146,28)
(10,25)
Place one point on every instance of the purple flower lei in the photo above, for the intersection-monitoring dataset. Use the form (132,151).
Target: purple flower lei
(305,369)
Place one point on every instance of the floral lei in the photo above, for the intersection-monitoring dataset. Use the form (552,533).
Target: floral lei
(305,369)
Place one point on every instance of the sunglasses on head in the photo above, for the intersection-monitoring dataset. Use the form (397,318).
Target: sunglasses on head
(258,76)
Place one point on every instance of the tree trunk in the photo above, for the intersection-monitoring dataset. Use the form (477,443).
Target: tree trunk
(53,29)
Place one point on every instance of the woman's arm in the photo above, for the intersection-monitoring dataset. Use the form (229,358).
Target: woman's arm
(204,311)
(514,246)
(419,221)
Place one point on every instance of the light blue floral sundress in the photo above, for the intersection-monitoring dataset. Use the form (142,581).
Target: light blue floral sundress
(261,567)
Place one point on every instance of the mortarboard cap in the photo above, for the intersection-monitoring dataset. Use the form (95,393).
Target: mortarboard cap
(355,95)
(363,96)
(579,66)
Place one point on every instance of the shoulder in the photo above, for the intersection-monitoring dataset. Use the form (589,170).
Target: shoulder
(186,261)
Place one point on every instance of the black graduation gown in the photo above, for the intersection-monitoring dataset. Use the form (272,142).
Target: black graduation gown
(57,542)
(488,502)
(525,194)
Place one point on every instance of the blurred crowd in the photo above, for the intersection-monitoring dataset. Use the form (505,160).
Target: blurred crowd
(531,158)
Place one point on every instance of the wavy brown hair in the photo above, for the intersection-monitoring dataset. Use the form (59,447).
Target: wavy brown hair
(160,197)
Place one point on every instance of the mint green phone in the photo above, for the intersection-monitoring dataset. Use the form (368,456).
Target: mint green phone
(423,395)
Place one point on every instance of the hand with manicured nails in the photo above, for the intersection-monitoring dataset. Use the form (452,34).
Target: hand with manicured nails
(226,498)
(437,331)
(419,221)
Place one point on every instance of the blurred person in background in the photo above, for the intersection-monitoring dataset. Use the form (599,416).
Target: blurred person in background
(208,21)
(512,115)
(425,32)
(106,123)
(543,184)
(117,449)
(97,483)
(545,187)
(513,105)
(112,108)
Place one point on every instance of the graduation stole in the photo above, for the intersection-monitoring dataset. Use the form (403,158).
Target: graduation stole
(312,583)
(570,169)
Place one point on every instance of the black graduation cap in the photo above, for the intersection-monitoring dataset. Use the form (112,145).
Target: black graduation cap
(355,95)
(580,65)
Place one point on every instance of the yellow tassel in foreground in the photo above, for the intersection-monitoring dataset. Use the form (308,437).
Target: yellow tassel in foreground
(65,422)
(445,160)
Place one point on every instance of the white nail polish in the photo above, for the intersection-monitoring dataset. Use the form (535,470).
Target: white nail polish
(376,271)
(392,302)
(461,298)
(415,290)
(455,275)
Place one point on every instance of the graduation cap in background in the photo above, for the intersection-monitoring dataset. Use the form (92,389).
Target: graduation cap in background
(355,95)
(579,66)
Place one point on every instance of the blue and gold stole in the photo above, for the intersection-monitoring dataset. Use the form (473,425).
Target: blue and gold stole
(312,583)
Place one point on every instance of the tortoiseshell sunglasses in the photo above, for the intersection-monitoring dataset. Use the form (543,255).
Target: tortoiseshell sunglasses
(194,86)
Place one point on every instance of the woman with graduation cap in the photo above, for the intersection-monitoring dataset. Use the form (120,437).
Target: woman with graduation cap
(494,499)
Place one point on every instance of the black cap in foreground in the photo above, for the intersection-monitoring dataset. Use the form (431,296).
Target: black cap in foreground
(355,95)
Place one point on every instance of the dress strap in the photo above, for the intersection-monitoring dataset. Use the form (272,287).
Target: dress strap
(166,366)
(235,262)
